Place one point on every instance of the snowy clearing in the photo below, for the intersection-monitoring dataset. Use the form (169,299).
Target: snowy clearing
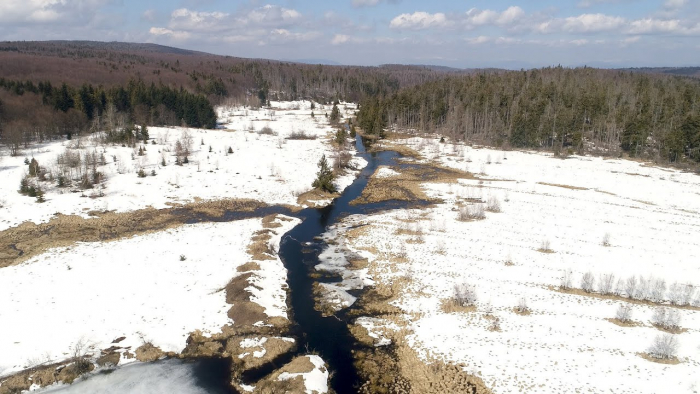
(154,288)
(266,167)
(565,342)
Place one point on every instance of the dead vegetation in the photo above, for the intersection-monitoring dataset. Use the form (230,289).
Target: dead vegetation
(28,239)
(406,186)
(563,186)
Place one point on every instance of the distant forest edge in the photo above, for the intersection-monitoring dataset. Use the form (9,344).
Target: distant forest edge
(581,110)
(69,87)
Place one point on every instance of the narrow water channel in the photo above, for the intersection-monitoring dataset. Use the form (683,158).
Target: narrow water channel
(327,336)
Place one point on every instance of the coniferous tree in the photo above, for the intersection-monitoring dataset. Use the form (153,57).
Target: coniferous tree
(324,177)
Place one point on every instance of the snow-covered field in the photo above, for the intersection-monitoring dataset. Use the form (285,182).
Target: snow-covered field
(158,287)
(264,167)
(138,288)
(565,344)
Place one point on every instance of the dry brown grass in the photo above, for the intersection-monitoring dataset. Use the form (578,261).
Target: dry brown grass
(147,353)
(450,306)
(274,347)
(271,384)
(28,239)
(314,198)
(672,361)
(406,186)
(621,323)
(563,186)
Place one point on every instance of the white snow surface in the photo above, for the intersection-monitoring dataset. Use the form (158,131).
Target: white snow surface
(262,167)
(316,381)
(566,344)
(163,377)
(137,287)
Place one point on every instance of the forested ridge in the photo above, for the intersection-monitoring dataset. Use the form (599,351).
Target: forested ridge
(54,88)
(567,110)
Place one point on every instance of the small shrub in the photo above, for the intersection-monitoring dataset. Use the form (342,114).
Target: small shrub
(666,318)
(141,173)
(587,282)
(300,135)
(631,286)
(493,205)
(464,295)
(472,212)
(24,185)
(495,324)
(153,173)
(545,247)
(267,131)
(62,181)
(185,160)
(183,257)
(606,284)
(522,306)
(566,280)
(230,150)
(664,347)
(624,313)
(680,294)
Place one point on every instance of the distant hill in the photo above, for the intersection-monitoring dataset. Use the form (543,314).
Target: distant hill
(117,63)
(680,71)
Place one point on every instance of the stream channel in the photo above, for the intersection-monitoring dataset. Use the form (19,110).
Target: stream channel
(327,336)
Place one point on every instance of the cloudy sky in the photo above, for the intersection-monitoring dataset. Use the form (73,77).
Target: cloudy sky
(458,33)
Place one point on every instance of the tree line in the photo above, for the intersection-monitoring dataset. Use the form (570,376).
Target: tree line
(563,109)
(38,111)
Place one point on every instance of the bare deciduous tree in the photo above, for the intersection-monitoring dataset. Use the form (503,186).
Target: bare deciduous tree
(624,313)
(664,347)
(588,282)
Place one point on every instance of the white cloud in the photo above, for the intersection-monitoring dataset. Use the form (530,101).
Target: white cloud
(184,19)
(49,11)
(340,39)
(478,40)
(177,35)
(673,5)
(419,20)
(592,23)
(591,3)
(370,3)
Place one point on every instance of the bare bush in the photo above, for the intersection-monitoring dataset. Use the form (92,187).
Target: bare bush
(300,135)
(657,290)
(588,282)
(472,212)
(664,347)
(267,130)
(566,280)
(464,295)
(606,239)
(606,283)
(545,246)
(680,294)
(624,313)
(666,318)
(522,306)
(495,324)
(493,205)
(631,286)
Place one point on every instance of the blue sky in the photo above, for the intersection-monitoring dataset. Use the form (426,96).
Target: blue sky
(458,33)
